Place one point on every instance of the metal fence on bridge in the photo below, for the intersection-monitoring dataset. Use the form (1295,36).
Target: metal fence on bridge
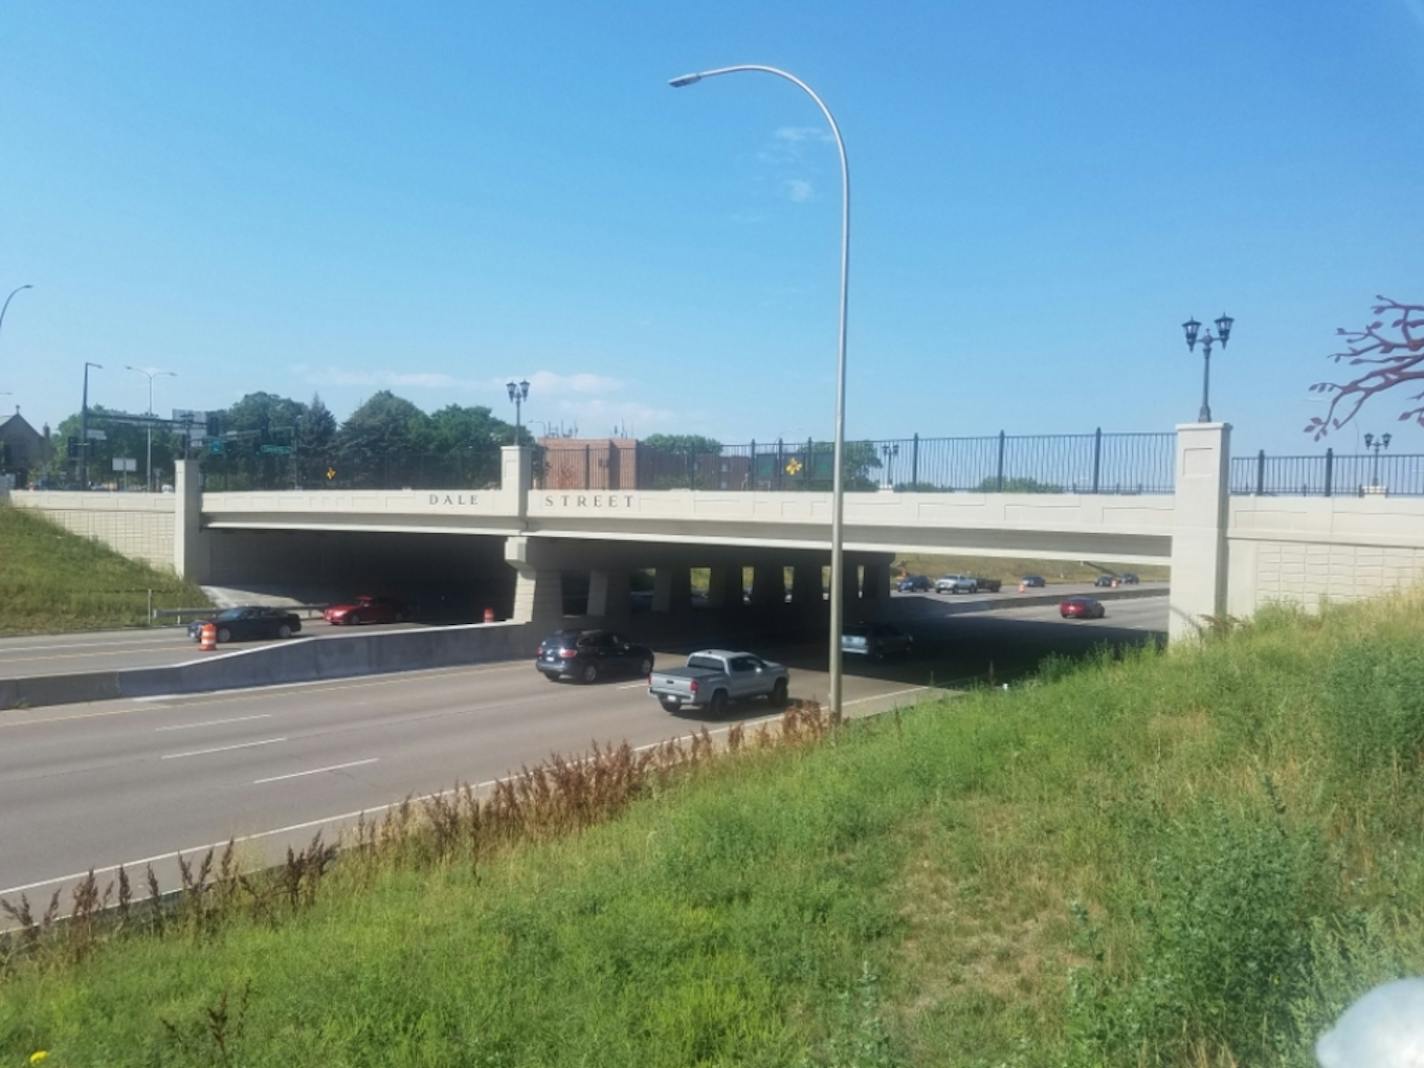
(471,467)
(1329,474)
(1000,463)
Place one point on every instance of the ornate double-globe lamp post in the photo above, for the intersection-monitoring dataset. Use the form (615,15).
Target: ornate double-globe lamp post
(1223,332)
(1375,443)
(837,483)
(518,393)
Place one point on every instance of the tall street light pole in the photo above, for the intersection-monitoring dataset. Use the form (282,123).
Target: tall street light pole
(6,306)
(84,427)
(1223,332)
(518,393)
(148,460)
(837,484)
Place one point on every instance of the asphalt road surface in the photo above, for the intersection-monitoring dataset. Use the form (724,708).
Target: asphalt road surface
(133,781)
(66,654)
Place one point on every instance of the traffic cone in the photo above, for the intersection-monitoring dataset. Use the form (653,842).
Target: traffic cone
(208,639)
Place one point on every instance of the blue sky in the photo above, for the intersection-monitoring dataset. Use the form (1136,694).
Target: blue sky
(434,198)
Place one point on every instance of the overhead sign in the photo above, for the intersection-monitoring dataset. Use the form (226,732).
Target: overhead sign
(125,463)
(193,423)
(96,435)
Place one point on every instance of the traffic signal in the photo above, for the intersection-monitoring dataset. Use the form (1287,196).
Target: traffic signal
(71,446)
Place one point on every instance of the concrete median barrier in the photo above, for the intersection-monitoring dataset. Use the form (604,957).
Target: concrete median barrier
(299,660)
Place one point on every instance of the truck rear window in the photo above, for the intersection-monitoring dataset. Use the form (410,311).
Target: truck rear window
(709,663)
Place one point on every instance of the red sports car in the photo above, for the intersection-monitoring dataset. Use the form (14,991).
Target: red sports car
(1082,608)
(367,609)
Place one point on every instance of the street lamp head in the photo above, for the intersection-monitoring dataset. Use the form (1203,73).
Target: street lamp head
(1384,440)
(523,390)
(1369,441)
(513,389)
(1223,328)
(91,363)
(684,79)
(1190,328)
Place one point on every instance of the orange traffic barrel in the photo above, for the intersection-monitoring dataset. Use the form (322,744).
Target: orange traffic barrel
(489,615)
(208,640)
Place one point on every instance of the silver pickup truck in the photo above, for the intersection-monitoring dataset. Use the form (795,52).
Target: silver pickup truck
(715,677)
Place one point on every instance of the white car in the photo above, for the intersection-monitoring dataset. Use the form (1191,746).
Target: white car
(957,584)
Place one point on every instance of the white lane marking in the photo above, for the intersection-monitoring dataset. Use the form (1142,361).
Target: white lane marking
(66,719)
(316,771)
(385,679)
(221,749)
(98,645)
(884,696)
(212,722)
(307,825)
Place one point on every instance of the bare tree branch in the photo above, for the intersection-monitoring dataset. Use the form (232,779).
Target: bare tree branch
(1394,352)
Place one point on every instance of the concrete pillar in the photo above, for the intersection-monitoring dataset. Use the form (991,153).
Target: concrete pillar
(672,589)
(191,551)
(608,592)
(516,472)
(806,588)
(768,584)
(875,584)
(538,591)
(1199,527)
(724,586)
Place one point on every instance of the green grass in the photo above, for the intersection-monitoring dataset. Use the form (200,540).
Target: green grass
(1193,858)
(52,580)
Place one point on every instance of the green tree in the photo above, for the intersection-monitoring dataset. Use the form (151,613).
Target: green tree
(315,441)
(683,443)
(462,445)
(263,413)
(121,439)
(381,443)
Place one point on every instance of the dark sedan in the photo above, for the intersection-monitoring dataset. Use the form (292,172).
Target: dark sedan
(989,585)
(878,641)
(915,584)
(1031,582)
(1105,581)
(1082,608)
(588,655)
(251,623)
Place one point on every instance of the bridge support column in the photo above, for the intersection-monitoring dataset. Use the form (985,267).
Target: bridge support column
(1199,528)
(538,591)
(875,586)
(672,589)
(768,585)
(608,593)
(724,586)
(806,589)
(191,551)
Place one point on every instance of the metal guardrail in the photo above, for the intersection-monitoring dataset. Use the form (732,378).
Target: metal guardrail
(308,610)
(1001,463)
(1328,475)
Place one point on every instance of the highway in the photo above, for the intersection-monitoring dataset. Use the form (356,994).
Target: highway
(129,781)
(64,654)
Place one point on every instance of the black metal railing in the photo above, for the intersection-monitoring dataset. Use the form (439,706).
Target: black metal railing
(474,467)
(1330,474)
(1001,463)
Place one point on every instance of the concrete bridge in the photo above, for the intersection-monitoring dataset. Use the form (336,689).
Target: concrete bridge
(1228,555)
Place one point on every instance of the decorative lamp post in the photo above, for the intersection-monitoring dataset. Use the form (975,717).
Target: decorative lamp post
(148,460)
(1376,442)
(518,393)
(837,484)
(1223,332)
(889,451)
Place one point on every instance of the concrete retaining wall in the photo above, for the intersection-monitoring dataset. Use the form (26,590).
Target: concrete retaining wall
(136,525)
(299,660)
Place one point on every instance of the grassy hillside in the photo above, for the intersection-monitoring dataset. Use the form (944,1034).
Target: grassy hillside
(1011,569)
(1187,859)
(52,580)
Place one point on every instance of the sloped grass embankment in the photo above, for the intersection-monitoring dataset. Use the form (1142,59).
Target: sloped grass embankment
(1181,859)
(52,580)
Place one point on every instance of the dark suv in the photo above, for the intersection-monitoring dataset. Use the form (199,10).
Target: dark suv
(875,640)
(588,655)
(914,584)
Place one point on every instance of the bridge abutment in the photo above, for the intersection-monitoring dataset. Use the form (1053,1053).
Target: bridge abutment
(1199,555)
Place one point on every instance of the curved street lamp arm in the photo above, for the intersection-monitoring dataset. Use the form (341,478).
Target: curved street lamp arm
(6,306)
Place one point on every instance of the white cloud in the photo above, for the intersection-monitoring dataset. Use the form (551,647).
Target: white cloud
(798,190)
(797,134)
